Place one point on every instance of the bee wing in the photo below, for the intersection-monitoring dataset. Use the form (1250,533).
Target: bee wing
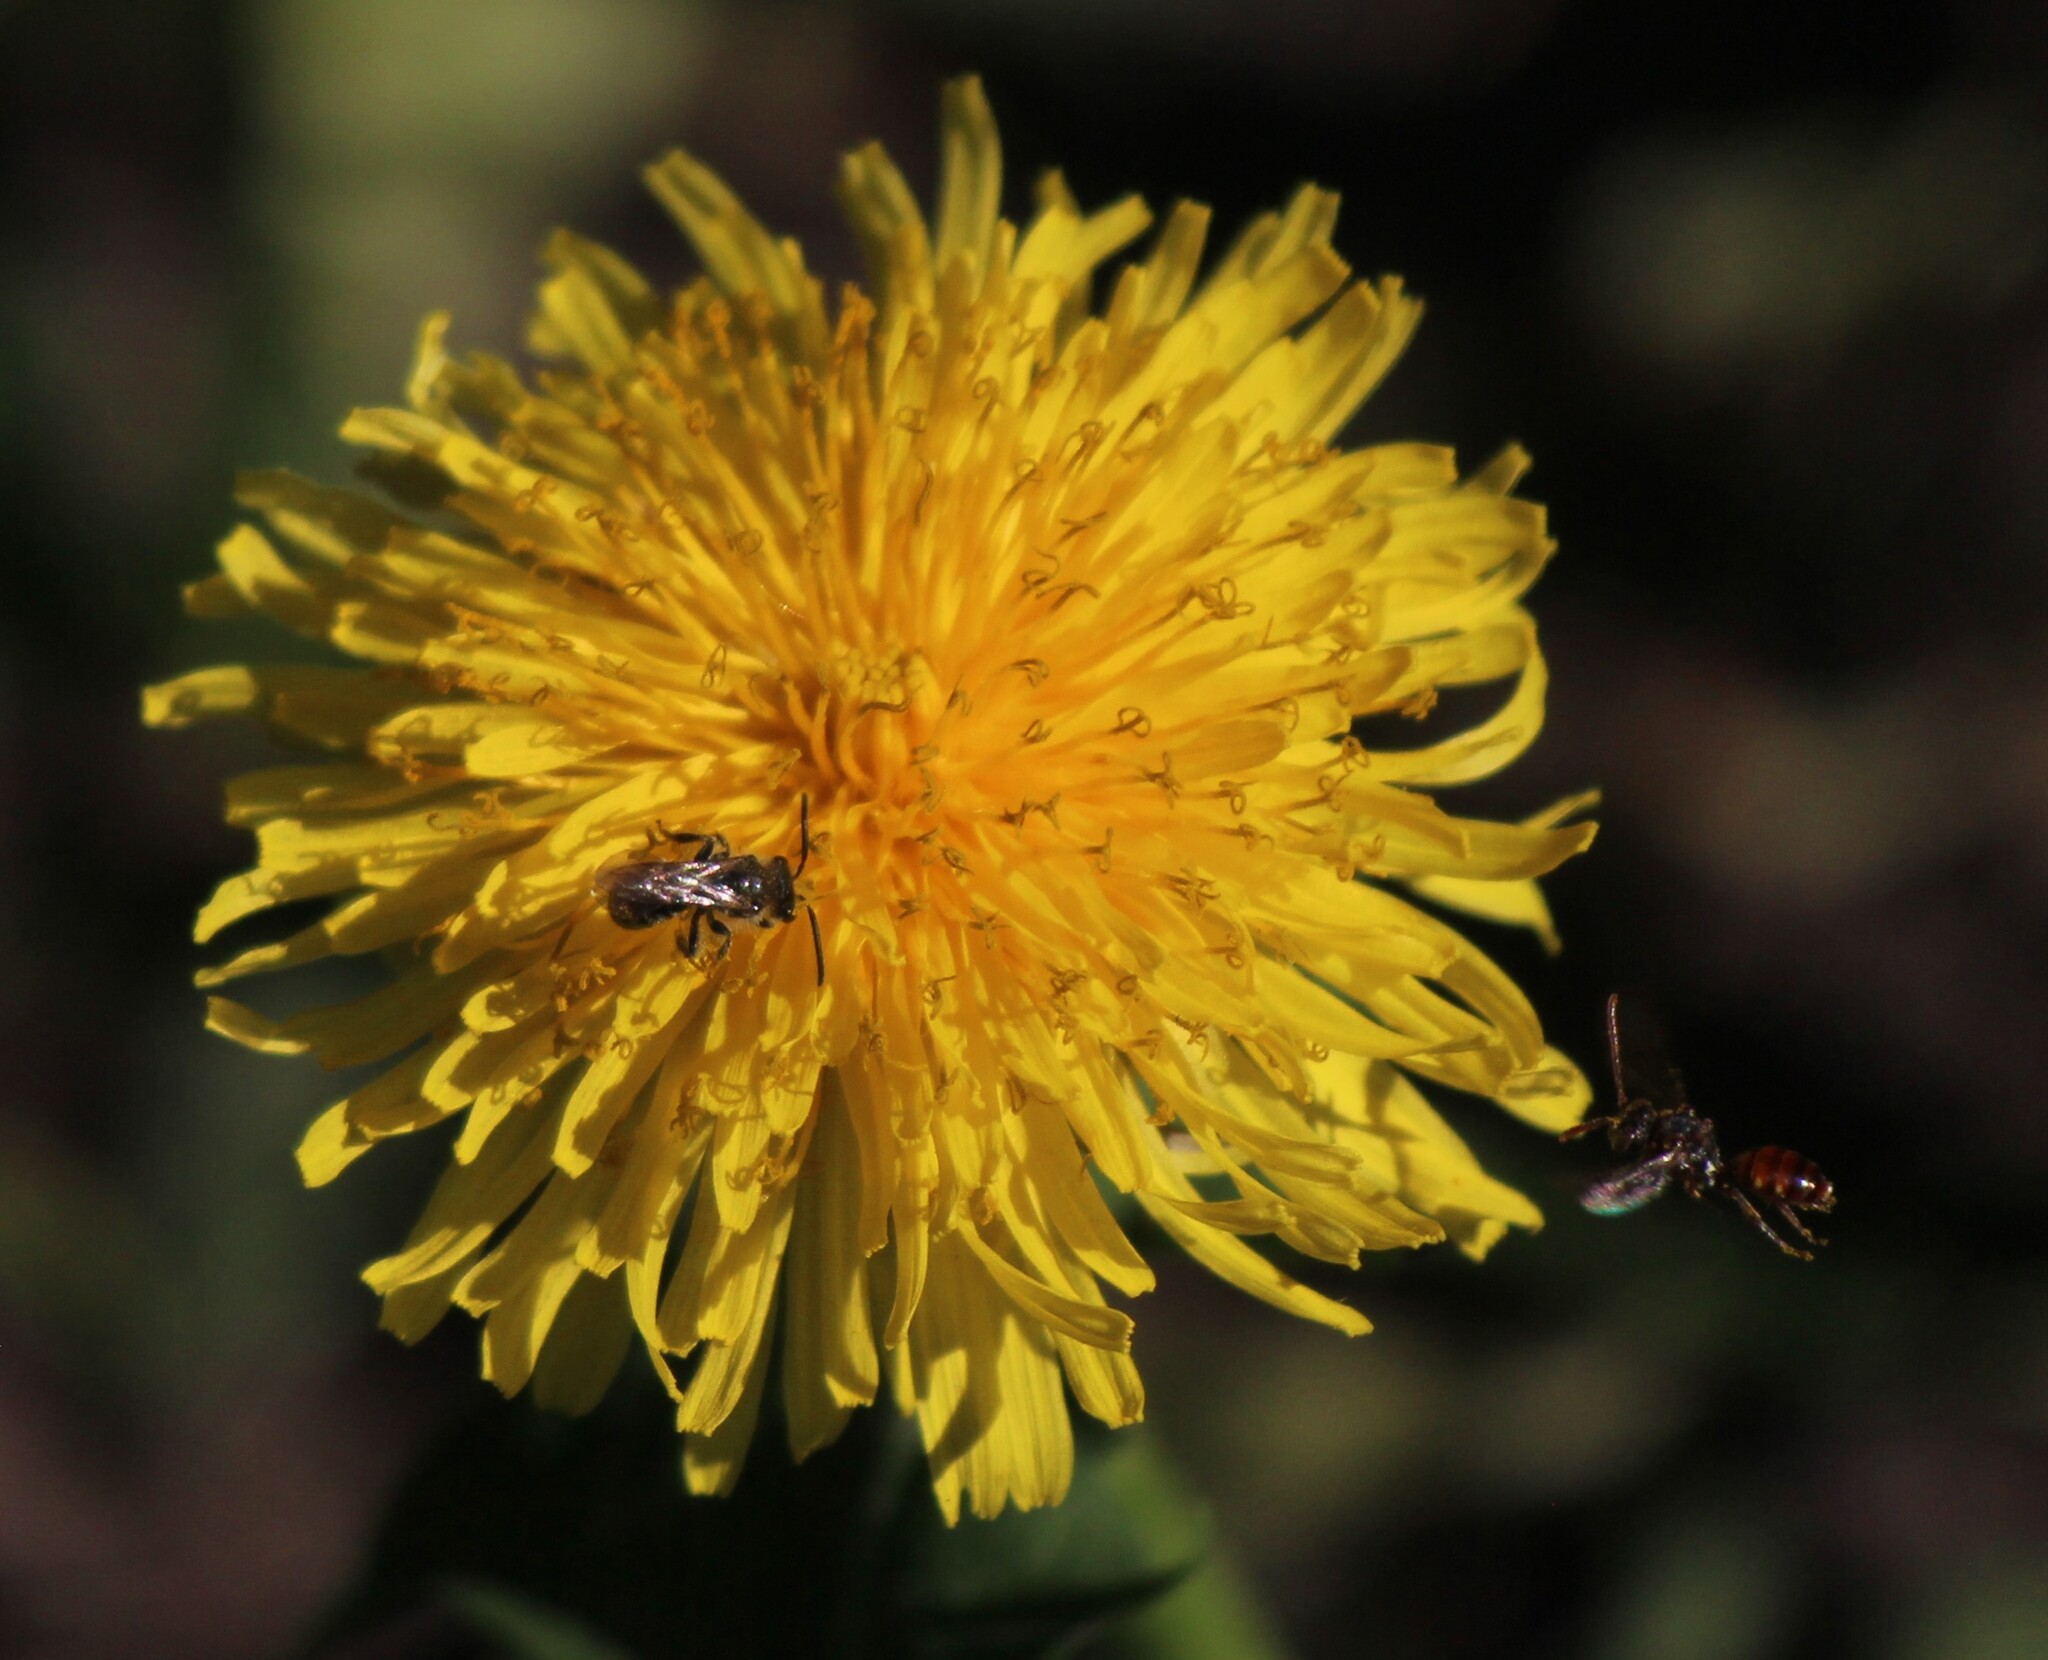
(670,882)
(1636,1049)
(731,885)
(1627,1189)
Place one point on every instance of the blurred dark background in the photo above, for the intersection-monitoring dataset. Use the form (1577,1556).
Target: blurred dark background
(1763,285)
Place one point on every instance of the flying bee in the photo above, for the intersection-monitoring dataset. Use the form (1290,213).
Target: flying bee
(713,886)
(1667,1140)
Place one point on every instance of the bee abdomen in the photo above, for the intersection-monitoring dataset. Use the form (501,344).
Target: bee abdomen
(643,894)
(1786,1177)
(637,911)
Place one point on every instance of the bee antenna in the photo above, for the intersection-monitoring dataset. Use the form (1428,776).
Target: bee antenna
(804,858)
(817,941)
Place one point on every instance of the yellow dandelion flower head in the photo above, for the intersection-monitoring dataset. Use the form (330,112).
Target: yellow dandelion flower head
(1015,645)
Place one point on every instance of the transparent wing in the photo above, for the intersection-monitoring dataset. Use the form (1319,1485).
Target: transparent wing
(1627,1189)
(714,884)
(726,884)
(655,882)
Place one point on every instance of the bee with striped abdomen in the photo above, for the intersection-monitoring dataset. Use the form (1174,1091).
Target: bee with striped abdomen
(1667,1140)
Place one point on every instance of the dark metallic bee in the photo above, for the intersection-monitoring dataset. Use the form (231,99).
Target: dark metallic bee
(714,886)
(1655,1126)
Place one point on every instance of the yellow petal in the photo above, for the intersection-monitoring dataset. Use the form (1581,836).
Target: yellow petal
(970,174)
(1084,1322)
(468,1204)
(594,307)
(988,1389)
(1237,1262)
(585,1347)
(712,1463)
(747,1281)
(829,1360)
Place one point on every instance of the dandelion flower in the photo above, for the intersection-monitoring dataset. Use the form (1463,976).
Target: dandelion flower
(1055,622)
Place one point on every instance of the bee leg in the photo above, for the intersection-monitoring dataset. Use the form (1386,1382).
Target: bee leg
(710,845)
(1585,1126)
(690,935)
(1797,1226)
(724,934)
(1757,1221)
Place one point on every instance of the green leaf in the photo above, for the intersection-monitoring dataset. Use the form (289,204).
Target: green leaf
(574,1539)
(525,1629)
(1210,1615)
(589,1516)
(1029,1583)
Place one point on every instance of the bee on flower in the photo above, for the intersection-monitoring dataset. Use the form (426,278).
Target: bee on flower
(1041,629)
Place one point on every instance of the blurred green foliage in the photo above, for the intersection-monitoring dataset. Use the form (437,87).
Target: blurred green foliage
(565,1538)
